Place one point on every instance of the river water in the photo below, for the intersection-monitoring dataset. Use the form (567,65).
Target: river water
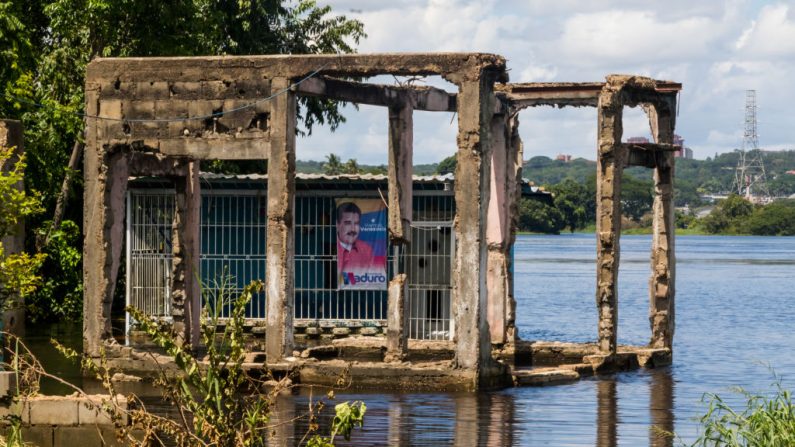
(735,320)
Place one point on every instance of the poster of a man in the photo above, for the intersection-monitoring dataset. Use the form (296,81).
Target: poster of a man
(361,244)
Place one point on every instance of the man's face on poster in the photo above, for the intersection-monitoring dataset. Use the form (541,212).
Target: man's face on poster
(348,227)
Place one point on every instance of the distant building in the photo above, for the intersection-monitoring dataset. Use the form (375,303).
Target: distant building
(563,157)
(637,140)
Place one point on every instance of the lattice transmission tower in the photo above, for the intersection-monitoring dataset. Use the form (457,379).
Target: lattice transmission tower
(749,177)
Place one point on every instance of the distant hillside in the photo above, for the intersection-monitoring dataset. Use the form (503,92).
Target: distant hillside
(693,177)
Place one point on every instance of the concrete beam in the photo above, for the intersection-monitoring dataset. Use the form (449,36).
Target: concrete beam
(584,94)
(472,191)
(556,94)
(280,246)
(611,159)
(423,98)
(663,258)
(175,69)
(185,286)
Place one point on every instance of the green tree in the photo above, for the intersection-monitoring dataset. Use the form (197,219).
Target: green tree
(447,166)
(636,197)
(351,166)
(64,35)
(17,270)
(572,199)
(333,165)
(728,216)
(775,219)
(539,217)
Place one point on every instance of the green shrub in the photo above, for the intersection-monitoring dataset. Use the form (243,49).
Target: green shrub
(764,421)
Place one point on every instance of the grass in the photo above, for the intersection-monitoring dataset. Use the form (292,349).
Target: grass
(764,421)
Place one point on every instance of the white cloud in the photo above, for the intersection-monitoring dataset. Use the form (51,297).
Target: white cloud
(716,49)
(772,35)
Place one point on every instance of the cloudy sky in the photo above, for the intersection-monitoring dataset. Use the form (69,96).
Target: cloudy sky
(716,49)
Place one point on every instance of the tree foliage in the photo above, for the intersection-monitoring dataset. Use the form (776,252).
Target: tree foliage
(45,46)
(17,270)
(539,217)
(575,203)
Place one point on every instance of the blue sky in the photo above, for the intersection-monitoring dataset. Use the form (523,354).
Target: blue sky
(717,49)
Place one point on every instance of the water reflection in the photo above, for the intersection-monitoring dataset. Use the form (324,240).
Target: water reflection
(661,408)
(606,413)
(624,414)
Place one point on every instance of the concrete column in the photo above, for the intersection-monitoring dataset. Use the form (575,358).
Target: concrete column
(11,136)
(401,148)
(401,152)
(280,276)
(516,155)
(611,159)
(185,284)
(397,320)
(105,179)
(472,191)
(663,259)
(498,232)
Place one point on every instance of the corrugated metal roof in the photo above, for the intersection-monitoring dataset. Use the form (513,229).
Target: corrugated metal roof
(527,185)
(304,176)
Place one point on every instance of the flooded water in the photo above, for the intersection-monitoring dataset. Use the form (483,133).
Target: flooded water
(735,319)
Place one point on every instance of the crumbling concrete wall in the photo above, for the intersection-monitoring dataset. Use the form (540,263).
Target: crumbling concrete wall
(160,116)
(173,111)
(658,98)
(506,168)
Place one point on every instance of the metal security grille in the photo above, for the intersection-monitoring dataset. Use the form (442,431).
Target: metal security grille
(150,216)
(428,265)
(233,253)
(316,294)
(233,230)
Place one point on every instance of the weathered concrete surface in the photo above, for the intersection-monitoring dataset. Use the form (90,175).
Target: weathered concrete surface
(401,150)
(280,239)
(397,319)
(185,284)
(663,257)
(190,69)
(103,228)
(11,136)
(544,376)
(500,231)
(611,158)
(472,190)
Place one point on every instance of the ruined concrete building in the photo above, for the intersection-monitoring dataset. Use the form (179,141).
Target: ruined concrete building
(159,117)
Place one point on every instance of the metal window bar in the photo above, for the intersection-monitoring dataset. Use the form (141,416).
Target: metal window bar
(233,232)
(150,215)
(233,229)
(428,264)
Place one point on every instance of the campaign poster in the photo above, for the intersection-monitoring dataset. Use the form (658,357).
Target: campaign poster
(361,244)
